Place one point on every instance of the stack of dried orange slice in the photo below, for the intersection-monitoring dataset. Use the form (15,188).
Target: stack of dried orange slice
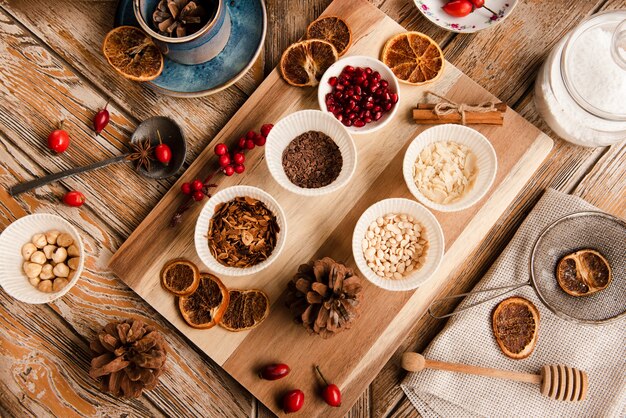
(303,63)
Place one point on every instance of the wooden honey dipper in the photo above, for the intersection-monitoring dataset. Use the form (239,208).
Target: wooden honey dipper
(559,382)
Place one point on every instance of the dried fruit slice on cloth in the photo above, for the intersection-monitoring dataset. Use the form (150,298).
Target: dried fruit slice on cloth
(132,53)
(332,29)
(414,58)
(205,307)
(583,273)
(246,310)
(180,277)
(303,63)
(515,324)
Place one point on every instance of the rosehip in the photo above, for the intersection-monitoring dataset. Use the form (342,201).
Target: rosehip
(331,392)
(274,371)
(249,144)
(265,129)
(198,196)
(239,158)
(458,8)
(197,185)
(221,149)
(293,401)
(163,153)
(74,198)
(229,170)
(101,119)
(240,168)
(58,140)
(224,160)
(185,188)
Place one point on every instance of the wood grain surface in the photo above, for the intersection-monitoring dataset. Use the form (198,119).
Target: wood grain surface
(55,69)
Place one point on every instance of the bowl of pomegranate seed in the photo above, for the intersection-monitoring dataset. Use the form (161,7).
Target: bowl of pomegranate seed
(361,92)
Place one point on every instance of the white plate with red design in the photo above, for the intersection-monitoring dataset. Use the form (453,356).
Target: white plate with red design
(479,19)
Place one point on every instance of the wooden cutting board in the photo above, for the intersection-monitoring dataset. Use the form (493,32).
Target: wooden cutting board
(322,226)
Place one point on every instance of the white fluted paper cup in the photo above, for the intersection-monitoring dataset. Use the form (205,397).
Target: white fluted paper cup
(202,229)
(434,235)
(295,124)
(12,277)
(486,159)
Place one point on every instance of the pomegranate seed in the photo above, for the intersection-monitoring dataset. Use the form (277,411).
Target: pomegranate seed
(332,81)
(388,106)
(376,75)
(369,105)
(384,83)
(351,104)
(339,87)
(394,97)
(359,123)
(367,120)
(378,115)
(330,107)
(377,108)
(347,122)
(368,71)
(250,135)
(349,69)
(339,117)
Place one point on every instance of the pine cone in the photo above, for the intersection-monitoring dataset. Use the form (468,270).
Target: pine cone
(325,296)
(128,357)
(178,18)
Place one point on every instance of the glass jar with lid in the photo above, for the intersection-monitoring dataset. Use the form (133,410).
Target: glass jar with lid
(581,88)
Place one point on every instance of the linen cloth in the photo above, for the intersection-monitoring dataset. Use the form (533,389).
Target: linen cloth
(599,350)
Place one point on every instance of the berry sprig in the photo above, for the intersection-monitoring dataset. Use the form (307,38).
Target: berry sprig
(229,163)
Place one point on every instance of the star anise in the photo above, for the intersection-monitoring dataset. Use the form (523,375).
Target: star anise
(178,18)
(142,155)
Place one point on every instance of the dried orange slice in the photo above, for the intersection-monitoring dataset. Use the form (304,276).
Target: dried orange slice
(515,324)
(180,277)
(246,310)
(583,273)
(332,29)
(132,53)
(414,58)
(303,63)
(205,307)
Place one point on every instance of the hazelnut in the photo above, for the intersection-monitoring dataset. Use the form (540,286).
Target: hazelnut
(64,240)
(48,250)
(32,270)
(28,249)
(61,270)
(38,257)
(39,240)
(59,283)
(72,251)
(45,286)
(34,281)
(51,237)
(46,272)
(73,263)
(60,255)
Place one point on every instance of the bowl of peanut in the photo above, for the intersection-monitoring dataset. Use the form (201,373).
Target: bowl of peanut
(42,258)
(397,244)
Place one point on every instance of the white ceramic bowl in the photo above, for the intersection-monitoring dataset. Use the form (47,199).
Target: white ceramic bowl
(434,234)
(360,61)
(12,278)
(485,155)
(202,229)
(298,123)
(478,20)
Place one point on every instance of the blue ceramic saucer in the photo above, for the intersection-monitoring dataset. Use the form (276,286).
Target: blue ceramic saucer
(249,24)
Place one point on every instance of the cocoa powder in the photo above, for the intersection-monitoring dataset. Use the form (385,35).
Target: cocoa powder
(312,160)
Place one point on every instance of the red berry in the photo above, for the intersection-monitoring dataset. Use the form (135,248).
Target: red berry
(101,119)
(242,142)
(239,168)
(265,129)
(332,81)
(58,140)
(185,188)
(293,401)
(249,144)
(229,170)
(274,371)
(163,153)
(224,160)
(74,198)
(198,196)
(197,185)
(239,158)
(221,149)
(332,395)
(259,140)
(478,3)
(458,8)
(250,135)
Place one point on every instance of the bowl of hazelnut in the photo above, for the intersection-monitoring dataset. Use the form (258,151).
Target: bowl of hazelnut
(42,258)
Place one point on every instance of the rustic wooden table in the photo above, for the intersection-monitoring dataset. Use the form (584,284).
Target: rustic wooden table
(52,69)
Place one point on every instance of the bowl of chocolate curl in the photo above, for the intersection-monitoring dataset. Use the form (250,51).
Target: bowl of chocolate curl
(241,230)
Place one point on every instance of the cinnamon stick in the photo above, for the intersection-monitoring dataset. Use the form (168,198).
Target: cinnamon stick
(428,117)
(501,107)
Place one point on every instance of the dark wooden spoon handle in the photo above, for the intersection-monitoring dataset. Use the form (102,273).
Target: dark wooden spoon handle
(41,181)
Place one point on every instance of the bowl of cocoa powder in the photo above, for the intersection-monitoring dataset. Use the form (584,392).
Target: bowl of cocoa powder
(310,153)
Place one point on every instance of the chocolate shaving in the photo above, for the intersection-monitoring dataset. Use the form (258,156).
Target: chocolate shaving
(312,160)
(242,232)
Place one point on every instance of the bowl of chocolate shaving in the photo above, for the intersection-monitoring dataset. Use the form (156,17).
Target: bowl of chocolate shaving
(241,230)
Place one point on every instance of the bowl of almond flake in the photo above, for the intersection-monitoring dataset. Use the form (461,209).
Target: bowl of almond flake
(449,167)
